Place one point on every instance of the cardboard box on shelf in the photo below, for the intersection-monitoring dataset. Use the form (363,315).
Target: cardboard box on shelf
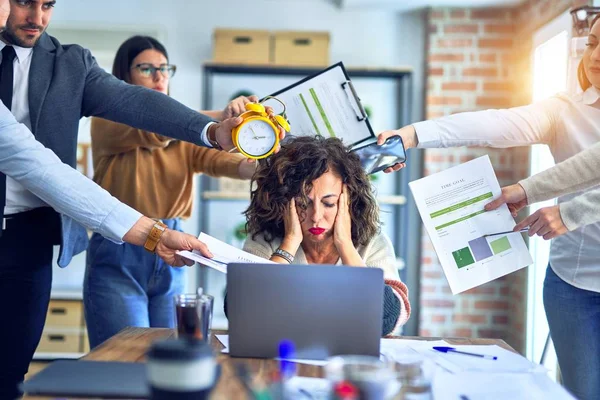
(297,48)
(234,46)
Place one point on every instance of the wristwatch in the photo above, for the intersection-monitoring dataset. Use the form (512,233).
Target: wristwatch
(212,139)
(154,236)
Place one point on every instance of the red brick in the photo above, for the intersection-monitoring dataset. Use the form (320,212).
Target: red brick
(495,43)
(470,318)
(445,57)
(443,100)
(489,13)
(497,86)
(434,114)
(436,71)
(438,319)
(433,29)
(488,101)
(437,14)
(491,305)
(461,28)
(436,158)
(425,333)
(470,86)
(433,303)
(428,289)
(491,58)
(500,319)
(432,274)
(482,290)
(499,28)
(504,291)
(455,43)
(458,14)
(462,332)
(483,72)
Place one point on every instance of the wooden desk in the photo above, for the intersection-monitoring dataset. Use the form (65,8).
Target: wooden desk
(131,344)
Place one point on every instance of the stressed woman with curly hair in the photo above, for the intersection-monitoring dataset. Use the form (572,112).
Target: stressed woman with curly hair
(313,204)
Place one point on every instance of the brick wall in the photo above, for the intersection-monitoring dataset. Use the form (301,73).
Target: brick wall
(479,59)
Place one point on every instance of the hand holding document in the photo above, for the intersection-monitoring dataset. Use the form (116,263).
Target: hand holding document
(451,204)
(223,254)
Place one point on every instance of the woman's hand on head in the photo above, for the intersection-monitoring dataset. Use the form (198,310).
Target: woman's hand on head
(293,229)
(342,229)
(238,106)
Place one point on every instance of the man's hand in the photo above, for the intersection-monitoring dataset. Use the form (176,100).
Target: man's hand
(173,241)
(514,196)
(238,106)
(409,139)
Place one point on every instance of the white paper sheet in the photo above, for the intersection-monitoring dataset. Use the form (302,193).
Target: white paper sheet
(322,106)
(451,205)
(223,254)
(507,362)
(482,386)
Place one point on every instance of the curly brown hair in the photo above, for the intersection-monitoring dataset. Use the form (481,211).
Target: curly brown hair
(290,173)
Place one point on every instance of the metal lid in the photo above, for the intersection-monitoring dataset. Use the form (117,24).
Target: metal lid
(180,349)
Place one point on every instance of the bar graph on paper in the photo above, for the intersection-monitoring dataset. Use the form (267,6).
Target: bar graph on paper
(451,204)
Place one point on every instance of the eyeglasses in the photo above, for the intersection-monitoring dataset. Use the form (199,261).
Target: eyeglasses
(149,70)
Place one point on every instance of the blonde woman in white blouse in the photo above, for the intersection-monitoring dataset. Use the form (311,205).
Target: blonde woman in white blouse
(568,124)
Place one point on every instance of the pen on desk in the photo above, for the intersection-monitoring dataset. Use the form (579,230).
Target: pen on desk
(506,233)
(444,349)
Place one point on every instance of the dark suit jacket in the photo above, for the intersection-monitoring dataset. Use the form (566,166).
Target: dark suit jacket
(65,84)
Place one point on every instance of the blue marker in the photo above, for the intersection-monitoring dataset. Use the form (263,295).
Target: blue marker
(286,353)
(443,349)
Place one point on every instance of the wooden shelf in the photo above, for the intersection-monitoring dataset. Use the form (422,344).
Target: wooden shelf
(261,69)
(236,196)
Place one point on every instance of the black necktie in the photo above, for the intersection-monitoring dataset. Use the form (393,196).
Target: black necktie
(6,93)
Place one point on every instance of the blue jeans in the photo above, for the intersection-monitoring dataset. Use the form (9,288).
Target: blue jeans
(574,319)
(125,285)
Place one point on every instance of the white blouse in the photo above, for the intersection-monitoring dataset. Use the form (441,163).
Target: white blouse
(568,124)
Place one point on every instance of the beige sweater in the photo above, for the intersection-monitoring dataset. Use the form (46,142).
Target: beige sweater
(579,172)
(378,253)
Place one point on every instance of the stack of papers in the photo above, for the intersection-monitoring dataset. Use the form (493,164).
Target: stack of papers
(223,254)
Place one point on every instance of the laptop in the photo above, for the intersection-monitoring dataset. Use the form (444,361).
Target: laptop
(98,379)
(325,310)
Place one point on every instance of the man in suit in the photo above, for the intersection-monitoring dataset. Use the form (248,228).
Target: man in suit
(49,87)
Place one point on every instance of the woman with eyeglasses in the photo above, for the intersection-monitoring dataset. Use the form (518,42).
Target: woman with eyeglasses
(125,285)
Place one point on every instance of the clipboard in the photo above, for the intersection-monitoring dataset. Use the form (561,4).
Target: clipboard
(326,104)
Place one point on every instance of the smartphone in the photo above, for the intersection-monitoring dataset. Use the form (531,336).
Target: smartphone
(375,158)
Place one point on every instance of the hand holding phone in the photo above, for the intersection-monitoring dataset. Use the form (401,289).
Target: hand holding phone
(375,158)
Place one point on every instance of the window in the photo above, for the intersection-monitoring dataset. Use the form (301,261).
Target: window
(550,65)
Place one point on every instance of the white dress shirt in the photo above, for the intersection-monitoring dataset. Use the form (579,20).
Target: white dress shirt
(19,199)
(67,190)
(568,124)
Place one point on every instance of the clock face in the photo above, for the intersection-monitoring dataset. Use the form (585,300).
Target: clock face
(256,138)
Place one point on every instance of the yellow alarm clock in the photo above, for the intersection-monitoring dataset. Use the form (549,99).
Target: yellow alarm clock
(258,135)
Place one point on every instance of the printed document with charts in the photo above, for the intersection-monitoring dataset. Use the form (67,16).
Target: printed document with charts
(223,254)
(451,205)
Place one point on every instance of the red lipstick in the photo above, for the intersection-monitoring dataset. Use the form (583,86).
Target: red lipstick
(316,231)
